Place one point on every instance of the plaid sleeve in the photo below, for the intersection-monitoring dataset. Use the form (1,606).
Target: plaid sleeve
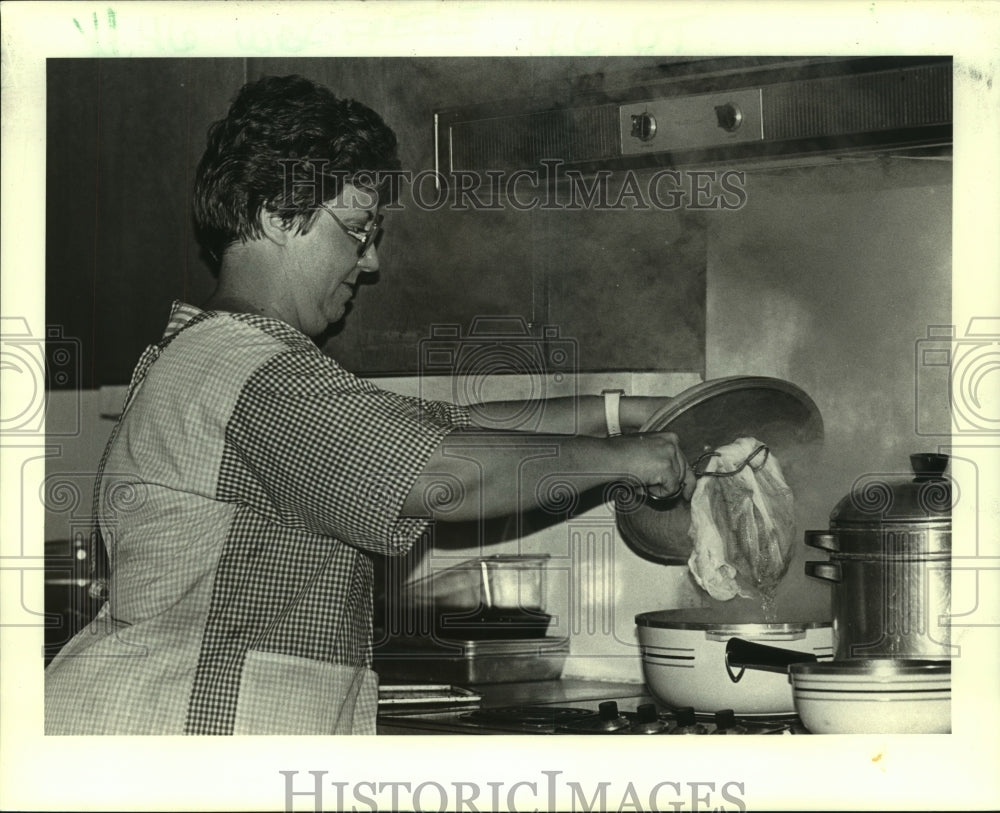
(441,413)
(317,448)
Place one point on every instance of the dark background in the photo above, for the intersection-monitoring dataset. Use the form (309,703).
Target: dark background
(125,137)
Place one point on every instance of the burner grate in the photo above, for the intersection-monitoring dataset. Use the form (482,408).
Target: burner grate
(608,718)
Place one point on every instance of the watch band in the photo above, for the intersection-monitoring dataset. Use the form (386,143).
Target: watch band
(612,402)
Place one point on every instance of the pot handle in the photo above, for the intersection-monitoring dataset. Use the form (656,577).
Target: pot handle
(827,571)
(824,540)
(750,655)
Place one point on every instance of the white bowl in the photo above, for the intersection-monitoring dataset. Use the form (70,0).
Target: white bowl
(890,696)
(684,660)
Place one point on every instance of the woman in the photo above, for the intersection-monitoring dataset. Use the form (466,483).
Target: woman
(250,476)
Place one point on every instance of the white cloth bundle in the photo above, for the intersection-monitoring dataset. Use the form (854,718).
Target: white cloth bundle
(741,526)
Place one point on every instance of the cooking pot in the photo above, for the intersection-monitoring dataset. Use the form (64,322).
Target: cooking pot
(684,660)
(890,563)
(872,696)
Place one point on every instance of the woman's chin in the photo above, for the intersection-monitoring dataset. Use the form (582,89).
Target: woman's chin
(336,313)
(339,311)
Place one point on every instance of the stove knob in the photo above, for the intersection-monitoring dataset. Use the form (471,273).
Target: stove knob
(687,723)
(647,720)
(726,723)
(608,718)
(685,716)
(608,710)
(647,713)
(724,719)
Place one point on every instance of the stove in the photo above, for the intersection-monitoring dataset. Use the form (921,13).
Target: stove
(616,716)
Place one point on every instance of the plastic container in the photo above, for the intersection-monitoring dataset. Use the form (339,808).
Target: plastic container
(499,582)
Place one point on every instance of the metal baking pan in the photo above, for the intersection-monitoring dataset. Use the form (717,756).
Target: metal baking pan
(398,698)
(473,662)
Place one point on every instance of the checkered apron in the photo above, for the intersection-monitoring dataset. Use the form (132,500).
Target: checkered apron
(241,492)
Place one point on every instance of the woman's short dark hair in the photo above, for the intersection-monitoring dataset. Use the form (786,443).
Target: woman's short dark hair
(286,146)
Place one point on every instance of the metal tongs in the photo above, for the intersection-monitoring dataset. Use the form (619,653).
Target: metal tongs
(709,454)
(700,465)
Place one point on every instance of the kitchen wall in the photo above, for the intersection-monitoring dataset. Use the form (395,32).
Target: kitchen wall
(123,138)
(828,277)
(447,265)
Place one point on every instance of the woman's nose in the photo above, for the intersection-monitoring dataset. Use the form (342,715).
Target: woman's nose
(368,262)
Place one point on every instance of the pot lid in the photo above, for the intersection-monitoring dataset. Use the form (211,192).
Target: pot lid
(707,618)
(706,416)
(923,496)
(874,668)
(716,412)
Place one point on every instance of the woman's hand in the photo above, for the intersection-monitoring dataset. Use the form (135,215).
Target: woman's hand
(657,462)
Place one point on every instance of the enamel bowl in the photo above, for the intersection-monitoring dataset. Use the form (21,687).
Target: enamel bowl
(684,660)
(886,696)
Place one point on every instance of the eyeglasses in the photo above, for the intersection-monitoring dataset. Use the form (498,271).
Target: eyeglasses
(365,237)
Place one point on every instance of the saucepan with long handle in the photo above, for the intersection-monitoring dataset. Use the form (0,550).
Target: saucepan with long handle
(876,696)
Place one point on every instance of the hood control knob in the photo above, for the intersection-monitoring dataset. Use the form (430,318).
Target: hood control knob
(729,117)
(643,126)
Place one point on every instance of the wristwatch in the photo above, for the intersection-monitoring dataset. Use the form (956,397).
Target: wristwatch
(612,399)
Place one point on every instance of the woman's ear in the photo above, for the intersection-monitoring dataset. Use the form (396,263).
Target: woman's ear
(274,228)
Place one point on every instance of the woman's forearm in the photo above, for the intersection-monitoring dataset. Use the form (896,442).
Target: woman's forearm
(579,415)
(477,475)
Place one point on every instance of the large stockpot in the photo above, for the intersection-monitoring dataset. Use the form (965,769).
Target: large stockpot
(684,660)
(890,563)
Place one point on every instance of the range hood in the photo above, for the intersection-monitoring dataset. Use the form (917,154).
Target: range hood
(742,112)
